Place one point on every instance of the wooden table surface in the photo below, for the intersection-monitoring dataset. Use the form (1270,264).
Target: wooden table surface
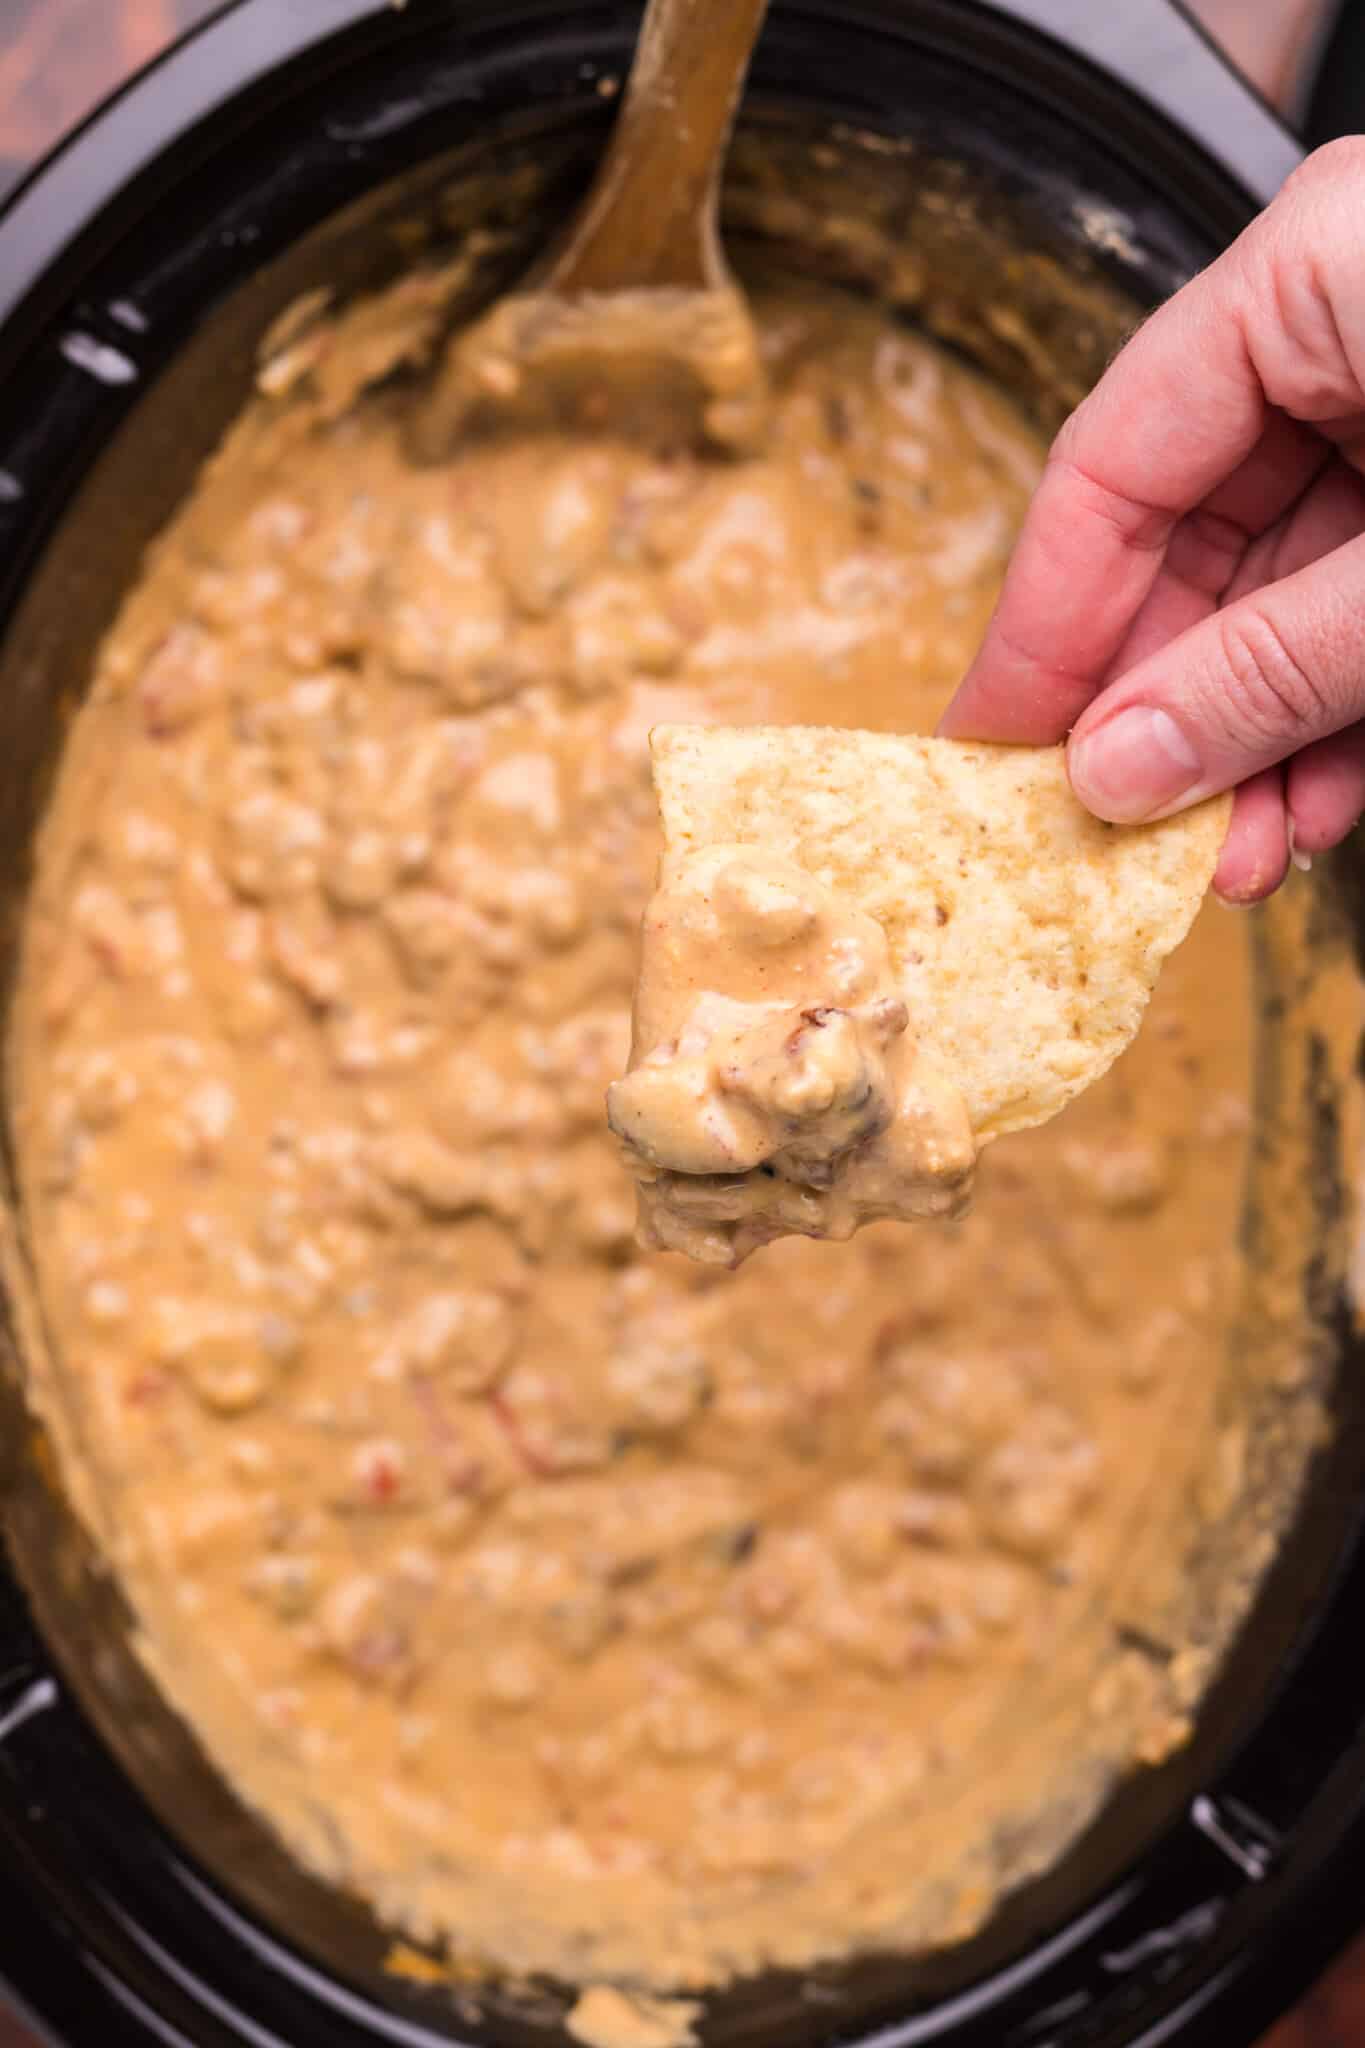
(57,60)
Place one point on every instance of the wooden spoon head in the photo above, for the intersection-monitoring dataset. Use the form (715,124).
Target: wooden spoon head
(635,326)
(672,367)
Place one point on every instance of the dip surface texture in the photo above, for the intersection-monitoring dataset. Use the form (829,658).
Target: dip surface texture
(606,1613)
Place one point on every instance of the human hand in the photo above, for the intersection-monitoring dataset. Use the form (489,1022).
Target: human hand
(1187,597)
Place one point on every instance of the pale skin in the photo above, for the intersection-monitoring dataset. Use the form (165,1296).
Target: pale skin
(1186,603)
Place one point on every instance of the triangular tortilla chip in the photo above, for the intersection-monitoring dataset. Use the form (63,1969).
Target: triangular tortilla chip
(1027,935)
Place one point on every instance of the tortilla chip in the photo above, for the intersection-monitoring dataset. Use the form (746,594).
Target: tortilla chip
(1027,935)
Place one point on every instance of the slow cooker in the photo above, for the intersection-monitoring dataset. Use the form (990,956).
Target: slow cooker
(1073,162)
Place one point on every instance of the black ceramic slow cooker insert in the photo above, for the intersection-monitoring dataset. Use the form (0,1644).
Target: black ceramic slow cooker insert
(272,151)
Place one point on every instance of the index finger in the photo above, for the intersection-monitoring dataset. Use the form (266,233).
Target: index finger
(1179,413)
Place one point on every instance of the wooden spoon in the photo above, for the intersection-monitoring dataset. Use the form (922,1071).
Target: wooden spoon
(635,323)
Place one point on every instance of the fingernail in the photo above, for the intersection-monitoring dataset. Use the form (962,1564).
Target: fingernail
(1302,861)
(1136,763)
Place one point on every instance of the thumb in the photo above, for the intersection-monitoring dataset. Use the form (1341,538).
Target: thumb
(1245,688)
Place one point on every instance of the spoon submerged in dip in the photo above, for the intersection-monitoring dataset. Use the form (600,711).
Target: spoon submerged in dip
(635,322)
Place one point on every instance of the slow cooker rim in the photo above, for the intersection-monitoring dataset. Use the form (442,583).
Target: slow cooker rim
(72,210)
(1182,74)
(1245,1975)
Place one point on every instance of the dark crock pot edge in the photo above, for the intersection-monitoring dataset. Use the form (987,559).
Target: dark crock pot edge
(54,233)
(1155,45)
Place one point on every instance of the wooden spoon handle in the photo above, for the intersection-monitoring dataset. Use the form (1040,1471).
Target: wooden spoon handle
(650,219)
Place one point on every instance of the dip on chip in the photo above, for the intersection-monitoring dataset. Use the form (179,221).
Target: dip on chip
(868,956)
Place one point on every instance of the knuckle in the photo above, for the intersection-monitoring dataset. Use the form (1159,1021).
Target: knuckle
(1133,522)
(1071,432)
(1270,694)
(1296,292)
(1328,165)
